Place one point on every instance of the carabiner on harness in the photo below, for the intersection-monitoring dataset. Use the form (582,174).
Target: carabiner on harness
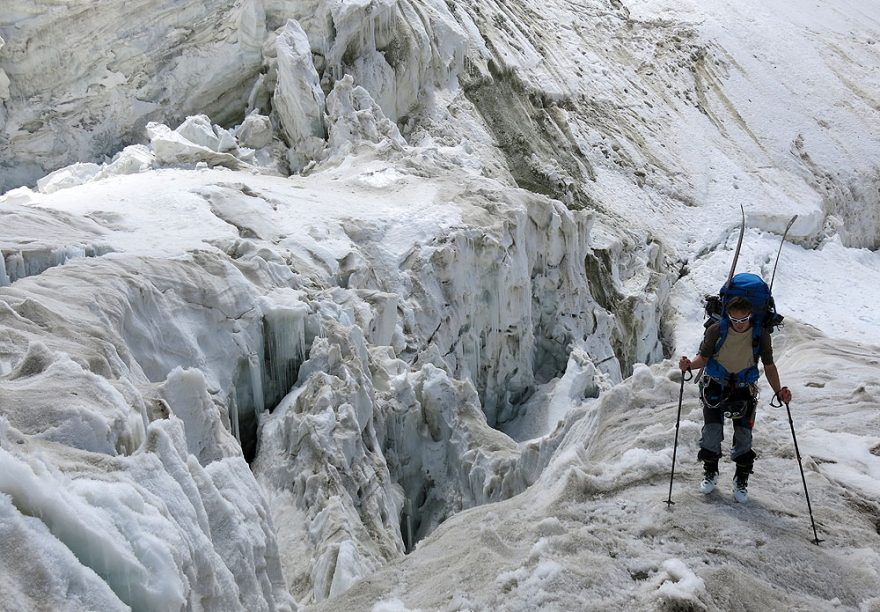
(736,410)
(713,398)
(717,396)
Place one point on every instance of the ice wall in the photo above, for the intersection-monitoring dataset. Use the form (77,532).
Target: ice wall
(388,430)
(133,380)
(386,58)
(78,81)
(125,67)
(65,237)
(85,541)
(396,50)
(564,106)
(362,375)
(298,99)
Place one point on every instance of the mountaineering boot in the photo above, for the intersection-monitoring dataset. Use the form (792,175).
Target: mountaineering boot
(740,484)
(710,476)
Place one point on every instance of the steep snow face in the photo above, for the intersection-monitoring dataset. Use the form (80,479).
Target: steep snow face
(683,101)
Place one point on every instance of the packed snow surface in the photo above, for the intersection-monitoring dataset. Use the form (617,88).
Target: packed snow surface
(377,305)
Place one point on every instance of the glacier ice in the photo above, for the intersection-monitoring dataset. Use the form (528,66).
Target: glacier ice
(363,380)
(254,390)
(298,100)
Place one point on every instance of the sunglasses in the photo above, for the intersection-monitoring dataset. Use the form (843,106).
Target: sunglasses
(744,319)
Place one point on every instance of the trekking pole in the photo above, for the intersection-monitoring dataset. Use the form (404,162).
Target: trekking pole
(685,376)
(800,465)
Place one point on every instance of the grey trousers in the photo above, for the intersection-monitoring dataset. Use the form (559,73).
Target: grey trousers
(713,433)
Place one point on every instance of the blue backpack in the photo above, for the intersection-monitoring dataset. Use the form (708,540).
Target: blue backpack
(764,316)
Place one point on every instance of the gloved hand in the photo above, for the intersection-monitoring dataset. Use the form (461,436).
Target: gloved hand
(684,364)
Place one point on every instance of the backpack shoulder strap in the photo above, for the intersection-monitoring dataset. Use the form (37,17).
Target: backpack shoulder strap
(723,328)
(757,332)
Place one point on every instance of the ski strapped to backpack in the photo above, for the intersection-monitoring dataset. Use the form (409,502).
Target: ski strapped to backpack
(739,242)
(764,316)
